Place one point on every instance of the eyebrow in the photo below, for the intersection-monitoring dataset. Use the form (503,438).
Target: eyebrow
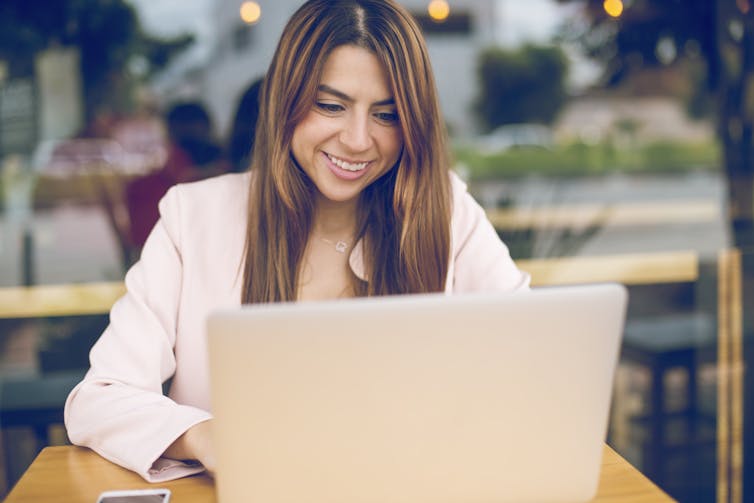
(339,94)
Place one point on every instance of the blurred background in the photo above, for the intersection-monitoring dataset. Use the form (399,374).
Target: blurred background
(608,140)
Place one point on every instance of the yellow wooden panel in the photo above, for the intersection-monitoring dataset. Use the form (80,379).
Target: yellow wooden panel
(629,269)
(618,214)
(59,300)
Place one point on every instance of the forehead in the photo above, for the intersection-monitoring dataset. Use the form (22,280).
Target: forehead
(356,72)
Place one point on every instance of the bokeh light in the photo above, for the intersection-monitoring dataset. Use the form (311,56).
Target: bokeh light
(250,12)
(439,10)
(614,8)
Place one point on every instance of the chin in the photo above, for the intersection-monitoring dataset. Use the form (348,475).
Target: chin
(340,197)
(340,194)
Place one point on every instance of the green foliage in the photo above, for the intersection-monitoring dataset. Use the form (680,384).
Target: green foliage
(580,159)
(521,85)
(717,38)
(630,42)
(670,156)
(106,32)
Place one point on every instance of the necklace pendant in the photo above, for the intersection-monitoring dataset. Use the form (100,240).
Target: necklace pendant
(341,246)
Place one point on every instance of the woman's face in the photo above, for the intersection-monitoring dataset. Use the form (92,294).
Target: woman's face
(352,135)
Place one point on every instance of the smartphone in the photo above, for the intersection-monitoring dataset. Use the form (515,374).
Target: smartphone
(135,496)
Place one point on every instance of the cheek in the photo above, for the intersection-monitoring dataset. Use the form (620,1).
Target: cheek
(304,128)
(392,144)
(300,141)
(296,148)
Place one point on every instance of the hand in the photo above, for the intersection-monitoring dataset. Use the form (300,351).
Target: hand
(195,443)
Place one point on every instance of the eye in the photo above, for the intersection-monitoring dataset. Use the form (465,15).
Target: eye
(330,108)
(387,117)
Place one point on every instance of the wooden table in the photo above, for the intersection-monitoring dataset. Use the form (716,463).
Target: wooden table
(77,475)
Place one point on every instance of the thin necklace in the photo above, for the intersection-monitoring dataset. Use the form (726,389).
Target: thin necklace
(340,245)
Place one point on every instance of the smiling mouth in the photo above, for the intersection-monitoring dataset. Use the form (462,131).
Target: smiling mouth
(348,166)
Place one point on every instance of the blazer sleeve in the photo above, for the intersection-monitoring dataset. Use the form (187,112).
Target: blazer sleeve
(119,409)
(481,261)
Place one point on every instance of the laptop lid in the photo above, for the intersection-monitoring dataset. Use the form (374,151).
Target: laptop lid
(428,398)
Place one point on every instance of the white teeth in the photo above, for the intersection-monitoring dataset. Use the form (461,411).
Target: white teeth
(347,165)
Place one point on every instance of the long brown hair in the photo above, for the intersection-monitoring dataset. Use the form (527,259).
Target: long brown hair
(404,216)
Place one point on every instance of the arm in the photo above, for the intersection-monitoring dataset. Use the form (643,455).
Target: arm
(481,261)
(119,409)
(195,444)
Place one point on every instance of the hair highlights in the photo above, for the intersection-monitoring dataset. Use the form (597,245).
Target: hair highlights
(404,217)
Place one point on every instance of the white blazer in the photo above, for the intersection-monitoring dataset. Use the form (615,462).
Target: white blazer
(191,264)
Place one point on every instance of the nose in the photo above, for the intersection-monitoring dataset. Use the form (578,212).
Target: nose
(356,134)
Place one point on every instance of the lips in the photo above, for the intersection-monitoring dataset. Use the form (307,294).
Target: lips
(348,170)
(347,165)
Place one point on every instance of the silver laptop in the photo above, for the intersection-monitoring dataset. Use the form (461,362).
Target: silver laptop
(428,398)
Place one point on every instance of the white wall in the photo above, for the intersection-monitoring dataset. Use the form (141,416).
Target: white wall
(230,72)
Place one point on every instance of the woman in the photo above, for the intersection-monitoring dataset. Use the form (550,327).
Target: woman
(349,194)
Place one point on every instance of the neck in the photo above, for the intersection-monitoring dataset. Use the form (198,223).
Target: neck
(335,220)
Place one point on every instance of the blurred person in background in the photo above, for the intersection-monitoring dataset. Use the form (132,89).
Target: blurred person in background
(192,155)
(244,128)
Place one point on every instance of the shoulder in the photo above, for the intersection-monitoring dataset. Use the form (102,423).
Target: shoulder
(480,261)
(458,187)
(215,189)
(221,194)
(211,210)
(466,211)
(460,196)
